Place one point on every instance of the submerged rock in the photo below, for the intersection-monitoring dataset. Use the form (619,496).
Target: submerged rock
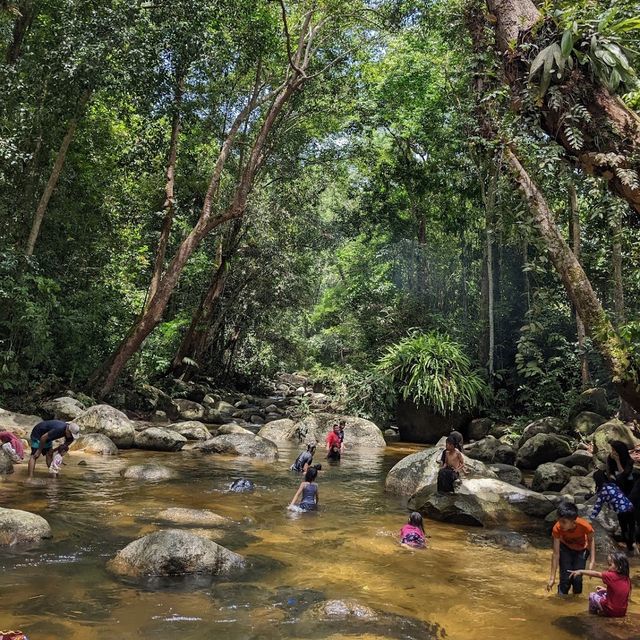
(114,424)
(151,472)
(510,540)
(22,528)
(96,443)
(242,485)
(173,552)
(198,517)
(159,439)
(241,444)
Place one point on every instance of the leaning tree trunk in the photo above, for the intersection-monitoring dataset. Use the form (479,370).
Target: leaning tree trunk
(616,264)
(578,287)
(576,246)
(52,182)
(611,147)
(20,28)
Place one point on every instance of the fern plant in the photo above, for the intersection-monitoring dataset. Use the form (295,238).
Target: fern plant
(431,369)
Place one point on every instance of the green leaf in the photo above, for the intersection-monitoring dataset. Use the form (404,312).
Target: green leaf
(567,44)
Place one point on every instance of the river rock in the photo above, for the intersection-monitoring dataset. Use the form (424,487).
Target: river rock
(232,427)
(21,527)
(551,476)
(605,433)
(419,470)
(579,488)
(593,400)
(481,502)
(510,540)
(158,400)
(590,627)
(191,430)
(189,410)
(586,422)
(479,428)
(153,472)
(173,552)
(64,408)
(483,450)
(6,464)
(543,425)
(159,439)
(197,517)
(541,448)
(507,473)
(242,485)
(358,432)
(96,443)
(18,423)
(279,431)
(241,444)
(505,454)
(114,424)
(577,458)
(418,423)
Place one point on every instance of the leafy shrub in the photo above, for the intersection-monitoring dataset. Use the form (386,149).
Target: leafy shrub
(431,369)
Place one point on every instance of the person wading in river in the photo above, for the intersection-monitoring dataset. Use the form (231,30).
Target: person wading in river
(304,460)
(43,435)
(334,444)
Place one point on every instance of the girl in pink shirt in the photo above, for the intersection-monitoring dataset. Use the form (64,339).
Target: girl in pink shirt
(412,534)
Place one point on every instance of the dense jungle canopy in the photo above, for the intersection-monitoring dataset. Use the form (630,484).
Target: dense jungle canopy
(438,199)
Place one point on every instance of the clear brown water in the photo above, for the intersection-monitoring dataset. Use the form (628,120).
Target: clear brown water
(348,550)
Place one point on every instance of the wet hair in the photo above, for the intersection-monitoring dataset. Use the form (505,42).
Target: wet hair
(620,561)
(62,449)
(567,510)
(415,519)
(317,467)
(311,474)
(601,478)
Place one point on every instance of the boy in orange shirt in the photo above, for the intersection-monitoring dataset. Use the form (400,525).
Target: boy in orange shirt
(573,542)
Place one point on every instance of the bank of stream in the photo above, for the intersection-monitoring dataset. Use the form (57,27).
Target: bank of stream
(348,550)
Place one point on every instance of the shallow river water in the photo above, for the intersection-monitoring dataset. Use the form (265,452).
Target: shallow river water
(348,550)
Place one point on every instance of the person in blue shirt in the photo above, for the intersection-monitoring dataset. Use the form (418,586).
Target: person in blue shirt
(43,435)
(609,493)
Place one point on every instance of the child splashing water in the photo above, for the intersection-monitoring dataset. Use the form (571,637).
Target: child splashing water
(610,601)
(56,463)
(412,534)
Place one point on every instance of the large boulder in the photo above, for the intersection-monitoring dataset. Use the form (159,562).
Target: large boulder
(418,423)
(190,410)
(612,430)
(588,627)
(279,431)
(551,476)
(579,488)
(232,427)
(64,408)
(191,430)
(358,432)
(196,517)
(96,443)
(479,428)
(482,502)
(579,458)
(21,527)
(505,454)
(241,444)
(507,473)
(152,472)
(420,470)
(114,424)
(6,464)
(543,425)
(151,398)
(173,552)
(586,422)
(159,439)
(594,400)
(541,448)
(483,450)
(18,423)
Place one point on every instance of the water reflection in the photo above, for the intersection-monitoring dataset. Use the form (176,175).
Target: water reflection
(348,550)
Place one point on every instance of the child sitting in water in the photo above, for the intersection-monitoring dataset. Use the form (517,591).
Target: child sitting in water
(610,601)
(309,490)
(412,534)
(57,462)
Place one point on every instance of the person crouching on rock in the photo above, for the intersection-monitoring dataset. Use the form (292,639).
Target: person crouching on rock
(12,446)
(412,534)
(43,435)
(304,460)
(308,489)
(334,444)
(452,464)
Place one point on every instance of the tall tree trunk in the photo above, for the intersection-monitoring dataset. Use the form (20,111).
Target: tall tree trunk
(54,176)
(616,264)
(597,324)
(20,28)
(576,245)
(169,202)
(106,376)
(611,147)
(525,272)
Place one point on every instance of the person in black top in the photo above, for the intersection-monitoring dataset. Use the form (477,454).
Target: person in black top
(304,460)
(43,435)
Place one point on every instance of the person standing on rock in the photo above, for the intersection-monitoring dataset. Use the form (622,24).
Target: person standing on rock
(609,493)
(334,444)
(43,435)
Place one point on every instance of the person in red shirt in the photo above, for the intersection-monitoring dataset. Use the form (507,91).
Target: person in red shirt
(610,601)
(334,444)
(573,543)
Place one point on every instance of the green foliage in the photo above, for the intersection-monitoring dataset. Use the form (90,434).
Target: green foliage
(432,370)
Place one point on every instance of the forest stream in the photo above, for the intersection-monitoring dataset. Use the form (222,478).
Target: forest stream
(348,550)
